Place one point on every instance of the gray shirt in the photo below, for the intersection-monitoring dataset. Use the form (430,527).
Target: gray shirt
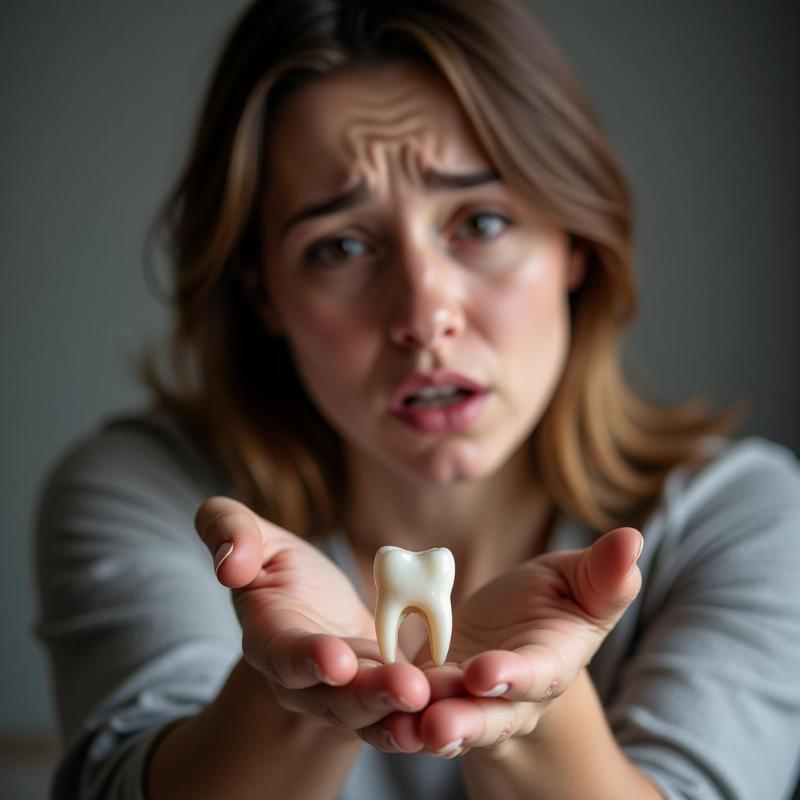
(700,679)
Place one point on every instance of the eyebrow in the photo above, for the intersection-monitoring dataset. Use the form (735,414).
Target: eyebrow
(432,179)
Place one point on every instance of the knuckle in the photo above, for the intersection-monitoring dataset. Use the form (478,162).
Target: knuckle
(364,703)
(332,718)
(263,658)
(320,706)
(379,737)
(509,726)
(270,665)
(555,684)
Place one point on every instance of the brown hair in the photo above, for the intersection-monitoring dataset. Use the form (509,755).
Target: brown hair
(600,450)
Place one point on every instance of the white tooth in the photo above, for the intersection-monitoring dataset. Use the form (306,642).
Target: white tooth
(436,391)
(408,581)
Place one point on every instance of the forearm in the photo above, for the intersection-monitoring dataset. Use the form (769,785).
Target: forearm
(571,754)
(244,746)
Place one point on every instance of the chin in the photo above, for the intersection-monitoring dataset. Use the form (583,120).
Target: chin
(457,468)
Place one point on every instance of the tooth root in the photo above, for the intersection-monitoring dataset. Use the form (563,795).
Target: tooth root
(408,581)
(388,616)
(439,633)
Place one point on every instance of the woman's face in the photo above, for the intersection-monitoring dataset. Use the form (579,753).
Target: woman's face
(424,302)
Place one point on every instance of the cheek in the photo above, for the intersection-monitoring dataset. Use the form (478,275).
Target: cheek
(530,313)
(328,340)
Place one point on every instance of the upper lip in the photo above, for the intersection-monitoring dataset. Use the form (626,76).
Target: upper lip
(420,380)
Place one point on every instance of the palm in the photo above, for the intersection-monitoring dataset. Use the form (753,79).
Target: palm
(531,605)
(554,611)
(299,587)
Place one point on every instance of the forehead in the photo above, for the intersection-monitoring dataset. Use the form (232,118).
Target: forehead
(349,124)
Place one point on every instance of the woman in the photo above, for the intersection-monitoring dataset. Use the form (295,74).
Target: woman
(402,267)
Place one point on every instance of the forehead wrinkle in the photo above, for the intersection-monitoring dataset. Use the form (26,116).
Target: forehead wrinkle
(386,100)
(394,127)
(412,162)
(363,139)
(398,155)
(406,110)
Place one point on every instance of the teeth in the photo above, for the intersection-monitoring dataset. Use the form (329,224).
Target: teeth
(421,582)
(433,392)
(435,395)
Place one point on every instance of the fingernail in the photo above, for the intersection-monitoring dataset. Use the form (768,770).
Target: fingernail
(495,691)
(388,740)
(636,558)
(450,749)
(395,703)
(223,551)
(320,675)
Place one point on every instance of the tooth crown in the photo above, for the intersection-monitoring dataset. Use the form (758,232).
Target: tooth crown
(437,391)
(408,581)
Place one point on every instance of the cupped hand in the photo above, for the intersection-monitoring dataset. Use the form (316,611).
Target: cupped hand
(522,639)
(304,627)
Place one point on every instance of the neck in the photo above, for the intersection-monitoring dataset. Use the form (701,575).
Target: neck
(489,524)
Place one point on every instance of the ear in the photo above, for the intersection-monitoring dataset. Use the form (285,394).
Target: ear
(256,294)
(576,268)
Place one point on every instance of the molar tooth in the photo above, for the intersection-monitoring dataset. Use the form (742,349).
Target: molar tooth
(407,581)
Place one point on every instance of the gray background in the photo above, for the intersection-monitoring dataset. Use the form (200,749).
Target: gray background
(97,99)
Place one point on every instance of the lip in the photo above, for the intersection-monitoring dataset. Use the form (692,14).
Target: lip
(423,380)
(444,419)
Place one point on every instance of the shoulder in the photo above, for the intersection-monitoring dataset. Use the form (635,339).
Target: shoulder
(709,651)
(135,471)
(733,520)
(136,450)
(134,443)
(739,473)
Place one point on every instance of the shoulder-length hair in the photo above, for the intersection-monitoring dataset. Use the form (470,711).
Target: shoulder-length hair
(601,451)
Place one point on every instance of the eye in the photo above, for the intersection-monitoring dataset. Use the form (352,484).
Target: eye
(485,225)
(336,250)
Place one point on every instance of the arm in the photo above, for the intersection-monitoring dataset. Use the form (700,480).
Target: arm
(530,723)
(142,640)
(706,702)
(286,723)
(709,704)
(138,632)
(244,745)
(571,754)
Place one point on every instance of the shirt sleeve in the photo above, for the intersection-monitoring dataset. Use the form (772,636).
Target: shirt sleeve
(138,631)
(708,704)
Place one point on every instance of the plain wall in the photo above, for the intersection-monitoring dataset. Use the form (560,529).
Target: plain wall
(97,99)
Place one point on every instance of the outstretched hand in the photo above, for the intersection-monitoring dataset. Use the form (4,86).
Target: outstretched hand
(521,641)
(303,625)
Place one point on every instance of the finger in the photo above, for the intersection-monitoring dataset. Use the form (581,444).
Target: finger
(372,695)
(451,727)
(296,658)
(233,535)
(397,733)
(400,732)
(532,673)
(404,732)
(607,577)
(445,681)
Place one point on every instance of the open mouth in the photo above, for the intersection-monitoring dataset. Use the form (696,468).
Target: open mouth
(437,396)
(439,402)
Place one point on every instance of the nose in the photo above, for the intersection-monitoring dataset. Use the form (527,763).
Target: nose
(427,309)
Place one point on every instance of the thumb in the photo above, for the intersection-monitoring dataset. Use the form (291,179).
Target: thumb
(607,576)
(233,535)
